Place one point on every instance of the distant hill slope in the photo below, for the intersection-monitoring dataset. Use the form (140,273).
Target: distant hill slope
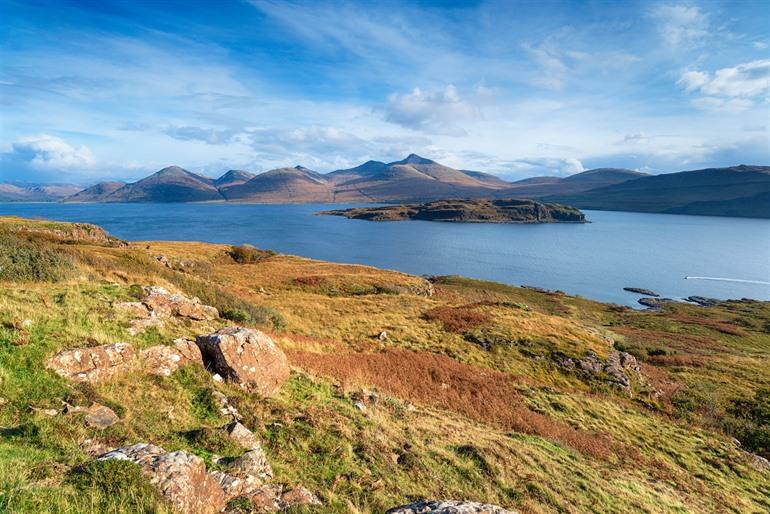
(233,178)
(96,193)
(537,187)
(289,185)
(17,192)
(735,191)
(172,184)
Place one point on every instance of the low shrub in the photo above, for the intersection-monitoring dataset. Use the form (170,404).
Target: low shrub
(751,423)
(247,254)
(26,261)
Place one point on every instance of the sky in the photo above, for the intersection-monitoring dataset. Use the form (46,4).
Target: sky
(99,89)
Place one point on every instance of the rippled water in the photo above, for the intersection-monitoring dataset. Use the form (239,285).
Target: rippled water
(596,260)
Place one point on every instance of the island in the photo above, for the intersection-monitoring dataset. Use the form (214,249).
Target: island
(478,210)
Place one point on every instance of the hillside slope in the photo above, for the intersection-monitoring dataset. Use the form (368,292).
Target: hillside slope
(538,187)
(400,388)
(171,184)
(711,191)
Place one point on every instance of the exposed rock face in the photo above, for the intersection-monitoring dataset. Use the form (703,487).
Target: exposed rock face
(703,301)
(163,303)
(92,364)
(247,357)
(448,507)
(252,466)
(101,417)
(654,303)
(180,477)
(163,360)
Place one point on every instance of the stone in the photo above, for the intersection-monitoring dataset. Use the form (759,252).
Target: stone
(654,303)
(252,465)
(180,477)
(163,303)
(92,364)
(448,507)
(141,325)
(231,486)
(101,417)
(242,435)
(225,408)
(267,498)
(45,412)
(299,496)
(163,360)
(135,309)
(247,357)
(383,336)
(703,301)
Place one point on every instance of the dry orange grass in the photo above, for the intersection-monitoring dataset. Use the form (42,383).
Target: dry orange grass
(722,326)
(661,337)
(439,381)
(457,319)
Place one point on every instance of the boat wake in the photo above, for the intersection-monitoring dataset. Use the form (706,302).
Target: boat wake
(722,279)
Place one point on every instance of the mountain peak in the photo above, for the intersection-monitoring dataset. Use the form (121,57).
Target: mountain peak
(168,170)
(413,158)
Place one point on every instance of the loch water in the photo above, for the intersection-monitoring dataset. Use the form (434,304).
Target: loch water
(595,260)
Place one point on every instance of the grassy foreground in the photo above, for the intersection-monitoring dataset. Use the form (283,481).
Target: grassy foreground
(462,398)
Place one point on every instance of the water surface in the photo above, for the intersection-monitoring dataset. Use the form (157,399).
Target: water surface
(595,260)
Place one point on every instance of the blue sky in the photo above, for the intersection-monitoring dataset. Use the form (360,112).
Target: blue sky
(93,89)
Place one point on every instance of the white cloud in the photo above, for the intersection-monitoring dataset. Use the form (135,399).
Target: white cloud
(437,112)
(49,153)
(553,68)
(734,88)
(557,166)
(681,24)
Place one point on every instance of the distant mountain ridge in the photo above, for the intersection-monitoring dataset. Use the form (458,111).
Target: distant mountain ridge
(733,191)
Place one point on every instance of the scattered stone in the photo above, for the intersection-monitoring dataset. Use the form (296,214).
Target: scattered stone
(217,377)
(101,417)
(95,448)
(180,477)
(163,303)
(224,404)
(448,507)
(638,290)
(45,412)
(383,336)
(242,435)
(245,356)
(703,301)
(299,496)
(163,260)
(163,360)
(92,364)
(760,463)
(364,398)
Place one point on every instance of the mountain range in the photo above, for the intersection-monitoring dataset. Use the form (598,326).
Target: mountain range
(733,191)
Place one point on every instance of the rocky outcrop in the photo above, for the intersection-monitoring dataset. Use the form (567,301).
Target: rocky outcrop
(242,436)
(448,507)
(616,370)
(163,303)
(163,360)
(180,477)
(703,301)
(92,364)
(654,303)
(245,356)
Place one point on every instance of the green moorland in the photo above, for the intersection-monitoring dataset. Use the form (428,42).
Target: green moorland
(473,397)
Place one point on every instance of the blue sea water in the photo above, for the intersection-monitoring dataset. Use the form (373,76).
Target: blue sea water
(595,260)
